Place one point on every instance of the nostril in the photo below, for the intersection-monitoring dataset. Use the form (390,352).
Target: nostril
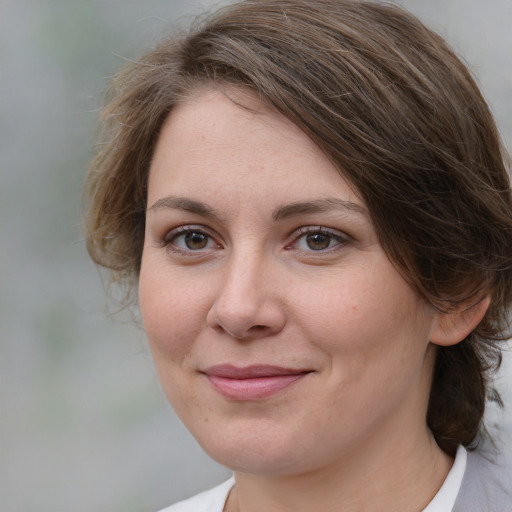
(246,321)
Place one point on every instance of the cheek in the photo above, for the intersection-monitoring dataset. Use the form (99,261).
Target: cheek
(368,319)
(337,313)
(172,314)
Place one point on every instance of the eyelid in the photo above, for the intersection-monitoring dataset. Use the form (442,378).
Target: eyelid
(172,234)
(186,228)
(342,237)
(167,239)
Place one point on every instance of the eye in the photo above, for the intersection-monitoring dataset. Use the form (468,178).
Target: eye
(318,239)
(190,239)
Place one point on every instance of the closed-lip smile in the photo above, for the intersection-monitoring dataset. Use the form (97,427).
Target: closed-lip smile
(254,382)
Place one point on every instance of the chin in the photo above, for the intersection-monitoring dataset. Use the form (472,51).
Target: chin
(256,449)
(254,460)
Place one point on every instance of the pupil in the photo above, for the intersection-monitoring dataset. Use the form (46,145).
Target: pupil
(196,240)
(318,241)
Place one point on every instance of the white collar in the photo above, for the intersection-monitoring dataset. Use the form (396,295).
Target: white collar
(444,500)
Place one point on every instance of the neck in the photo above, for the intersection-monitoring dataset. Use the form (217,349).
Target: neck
(400,476)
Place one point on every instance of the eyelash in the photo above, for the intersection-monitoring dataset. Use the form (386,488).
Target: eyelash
(169,241)
(341,239)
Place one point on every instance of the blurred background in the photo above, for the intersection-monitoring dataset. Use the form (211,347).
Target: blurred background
(83,423)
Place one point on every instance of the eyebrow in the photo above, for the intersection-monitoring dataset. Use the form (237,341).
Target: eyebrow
(185,204)
(280,213)
(317,206)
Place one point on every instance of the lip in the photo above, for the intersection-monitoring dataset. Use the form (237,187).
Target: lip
(252,382)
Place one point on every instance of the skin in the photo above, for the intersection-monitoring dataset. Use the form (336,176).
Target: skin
(232,274)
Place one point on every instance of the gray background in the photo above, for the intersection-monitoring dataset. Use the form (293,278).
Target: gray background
(83,423)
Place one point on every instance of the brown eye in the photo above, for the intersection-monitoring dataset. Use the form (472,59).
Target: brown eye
(195,241)
(318,241)
(190,240)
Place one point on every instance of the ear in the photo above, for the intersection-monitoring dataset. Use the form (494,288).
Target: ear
(451,328)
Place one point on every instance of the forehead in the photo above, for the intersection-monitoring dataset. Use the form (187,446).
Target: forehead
(231,117)
(219,137)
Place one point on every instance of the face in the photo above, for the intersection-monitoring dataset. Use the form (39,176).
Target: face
(282,334)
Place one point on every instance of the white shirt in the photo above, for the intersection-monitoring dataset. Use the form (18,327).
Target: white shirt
(445,498)
(215,499)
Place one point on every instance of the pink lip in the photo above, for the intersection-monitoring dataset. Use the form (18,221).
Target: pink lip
(252,382)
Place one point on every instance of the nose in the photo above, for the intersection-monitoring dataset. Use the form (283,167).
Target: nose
(248,304)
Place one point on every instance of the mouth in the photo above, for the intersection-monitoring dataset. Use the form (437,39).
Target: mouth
(252,382)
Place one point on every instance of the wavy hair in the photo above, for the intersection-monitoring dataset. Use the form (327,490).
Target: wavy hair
(398,114)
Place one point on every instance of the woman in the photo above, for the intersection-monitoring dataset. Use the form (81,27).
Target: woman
(312,198)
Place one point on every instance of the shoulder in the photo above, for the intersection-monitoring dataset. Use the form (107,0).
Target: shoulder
(487,484)
(212,500)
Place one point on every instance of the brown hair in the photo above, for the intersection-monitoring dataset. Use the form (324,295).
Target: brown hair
(396,111)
